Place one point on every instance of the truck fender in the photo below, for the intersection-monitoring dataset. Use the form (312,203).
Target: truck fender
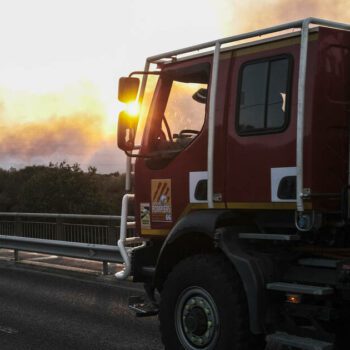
(215,228)
(204,221)
(201,223)
(253,271)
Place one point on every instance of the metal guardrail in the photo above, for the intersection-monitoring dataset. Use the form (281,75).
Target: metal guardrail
(93,237)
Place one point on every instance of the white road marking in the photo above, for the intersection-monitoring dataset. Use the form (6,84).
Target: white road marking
(8,330)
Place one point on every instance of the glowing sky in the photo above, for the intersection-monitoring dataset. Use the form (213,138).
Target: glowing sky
(61,59)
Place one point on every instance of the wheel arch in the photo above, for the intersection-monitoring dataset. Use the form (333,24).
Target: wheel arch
(192,234)
(212,231)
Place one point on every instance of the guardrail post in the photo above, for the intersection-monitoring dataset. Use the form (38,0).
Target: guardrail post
(105,268)
(16,255)
(61,236)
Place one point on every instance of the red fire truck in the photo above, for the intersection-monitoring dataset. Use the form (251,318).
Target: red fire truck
(241,190)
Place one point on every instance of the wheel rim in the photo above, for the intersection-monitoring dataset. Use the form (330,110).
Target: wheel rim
(196,319)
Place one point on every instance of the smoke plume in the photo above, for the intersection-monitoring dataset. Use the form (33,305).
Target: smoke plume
(74,138)
(249,15)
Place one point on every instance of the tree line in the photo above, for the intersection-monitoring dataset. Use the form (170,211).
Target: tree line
(60,188)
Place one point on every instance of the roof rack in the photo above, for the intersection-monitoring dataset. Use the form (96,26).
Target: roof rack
(230,39)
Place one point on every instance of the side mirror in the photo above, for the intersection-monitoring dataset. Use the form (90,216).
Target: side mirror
(128,89)
(126,131)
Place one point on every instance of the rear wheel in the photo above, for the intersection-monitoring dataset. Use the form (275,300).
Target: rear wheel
(203,306)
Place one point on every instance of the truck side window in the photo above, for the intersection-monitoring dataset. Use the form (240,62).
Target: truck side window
(181,103)
(263,96)
(184,115)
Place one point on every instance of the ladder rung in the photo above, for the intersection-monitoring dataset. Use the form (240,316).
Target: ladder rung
(297,342)
(299,288)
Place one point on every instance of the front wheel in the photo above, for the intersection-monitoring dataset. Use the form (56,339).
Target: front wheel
(203,306)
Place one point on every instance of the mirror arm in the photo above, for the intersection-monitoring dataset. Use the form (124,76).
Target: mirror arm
(144,73)
(132,155)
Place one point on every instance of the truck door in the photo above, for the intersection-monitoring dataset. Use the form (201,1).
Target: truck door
(173,151)
(261,131)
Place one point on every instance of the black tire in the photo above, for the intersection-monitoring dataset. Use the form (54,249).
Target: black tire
(203,306)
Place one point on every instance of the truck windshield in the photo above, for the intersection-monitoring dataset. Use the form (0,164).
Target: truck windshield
(180,108)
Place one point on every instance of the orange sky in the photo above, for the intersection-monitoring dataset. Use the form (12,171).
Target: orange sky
(60,61)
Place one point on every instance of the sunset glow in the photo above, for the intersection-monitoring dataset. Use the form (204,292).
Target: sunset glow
(61,61)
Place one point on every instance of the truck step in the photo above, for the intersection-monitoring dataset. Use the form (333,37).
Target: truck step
(148,270)
(279,340)
(317,262)
(269,237)
(142,306)
(299,288)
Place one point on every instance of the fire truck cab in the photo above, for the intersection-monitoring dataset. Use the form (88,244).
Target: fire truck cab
(241,190)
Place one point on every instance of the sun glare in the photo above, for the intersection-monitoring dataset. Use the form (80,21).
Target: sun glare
(132,109)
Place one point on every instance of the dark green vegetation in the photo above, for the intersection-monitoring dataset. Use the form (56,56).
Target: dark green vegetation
(60,188)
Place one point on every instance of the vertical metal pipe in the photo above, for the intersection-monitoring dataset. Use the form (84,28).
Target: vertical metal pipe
(301,113)
(348,194)
(122,238)
(143,84)
(211,125)
(128,175)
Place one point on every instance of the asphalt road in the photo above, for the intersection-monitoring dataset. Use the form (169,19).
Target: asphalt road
(46,310)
